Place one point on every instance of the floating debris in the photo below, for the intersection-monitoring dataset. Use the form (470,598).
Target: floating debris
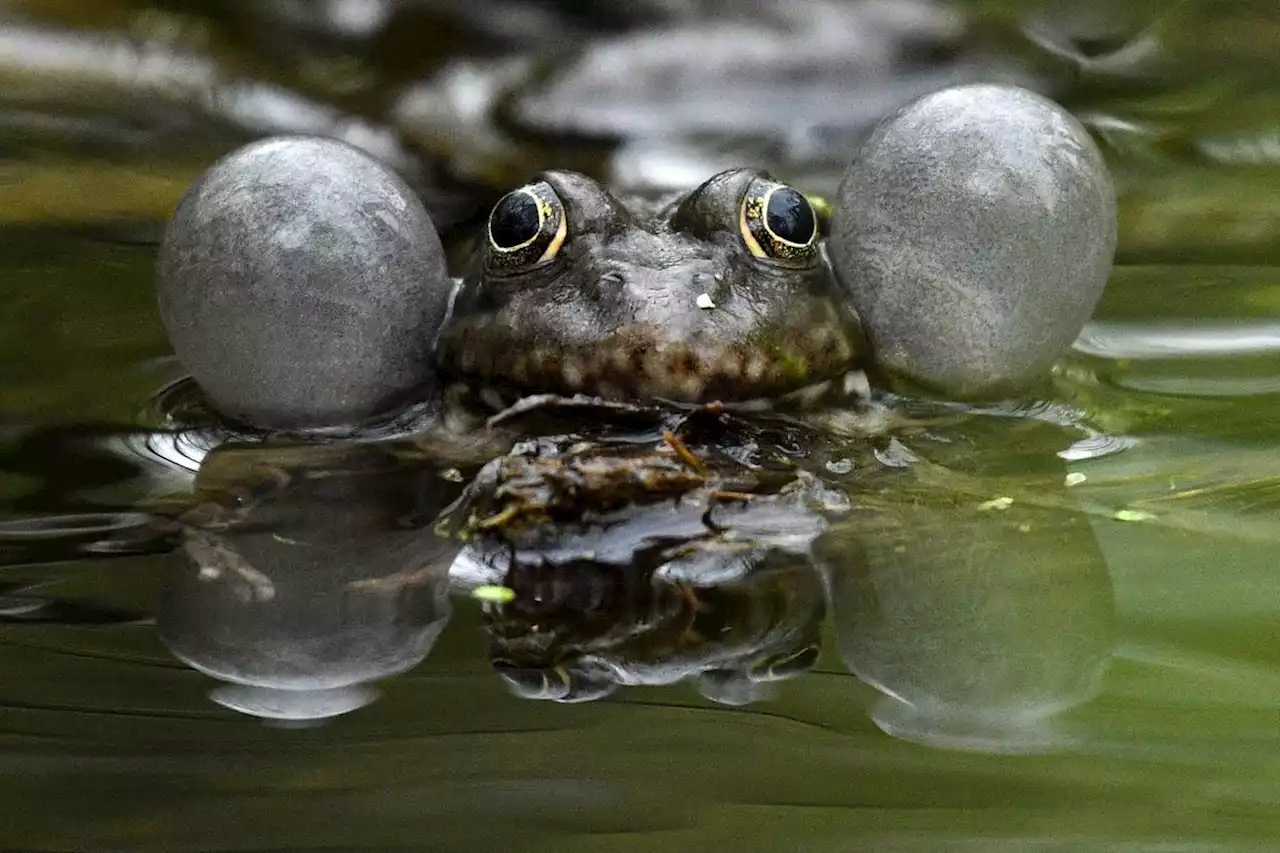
(491,593)
(1000,503)
(1075,478)
(516,492)
(1132,515)
(677,444)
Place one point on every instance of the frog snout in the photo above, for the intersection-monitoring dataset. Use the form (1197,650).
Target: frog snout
(666,291)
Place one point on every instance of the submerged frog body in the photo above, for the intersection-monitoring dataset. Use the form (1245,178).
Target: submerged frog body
(721,294)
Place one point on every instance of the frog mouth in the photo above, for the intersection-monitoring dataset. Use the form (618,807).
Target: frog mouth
(850,388)
(801,367)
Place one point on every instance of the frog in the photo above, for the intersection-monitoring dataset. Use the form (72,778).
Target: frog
(671,319)
(722,294)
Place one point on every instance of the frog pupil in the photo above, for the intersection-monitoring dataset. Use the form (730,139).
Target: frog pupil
(514,220)
(789,215)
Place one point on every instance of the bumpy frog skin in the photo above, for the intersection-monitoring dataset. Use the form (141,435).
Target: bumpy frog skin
(722,294)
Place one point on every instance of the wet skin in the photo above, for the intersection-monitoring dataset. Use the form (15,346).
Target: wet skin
(722,294)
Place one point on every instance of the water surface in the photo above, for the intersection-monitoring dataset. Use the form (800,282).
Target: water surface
(1039,635)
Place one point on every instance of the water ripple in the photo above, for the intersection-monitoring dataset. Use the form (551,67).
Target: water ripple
(1115,340)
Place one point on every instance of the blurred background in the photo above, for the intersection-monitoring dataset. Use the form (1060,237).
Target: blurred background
(465,98)
(1114,686)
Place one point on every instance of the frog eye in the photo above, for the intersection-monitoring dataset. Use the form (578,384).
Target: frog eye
(777,222)
(526,228)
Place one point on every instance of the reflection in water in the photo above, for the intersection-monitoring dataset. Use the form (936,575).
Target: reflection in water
(49,540)
(1211,359)
(1116,340)
(308,574)
(630,565)
(576,631)
(979,623)
(308,571)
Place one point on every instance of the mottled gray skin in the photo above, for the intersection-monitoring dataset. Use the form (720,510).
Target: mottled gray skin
(301,283)
(616,313)
(974,231)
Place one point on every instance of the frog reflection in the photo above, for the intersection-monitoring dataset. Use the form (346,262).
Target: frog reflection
(630,564)
(981,621)
(575,632)
(307,574)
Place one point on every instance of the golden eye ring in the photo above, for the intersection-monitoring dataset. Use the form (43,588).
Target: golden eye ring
(526,228)
(778,223)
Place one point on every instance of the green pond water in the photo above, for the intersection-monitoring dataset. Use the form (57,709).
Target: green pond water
(1036,639)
